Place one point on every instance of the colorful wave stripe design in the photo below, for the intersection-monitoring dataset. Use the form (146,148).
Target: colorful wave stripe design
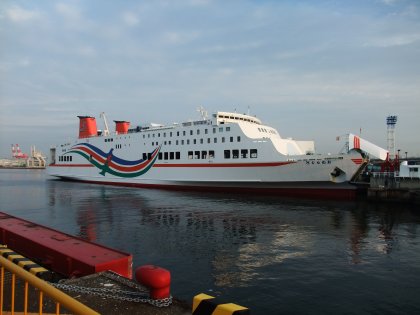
(109,163)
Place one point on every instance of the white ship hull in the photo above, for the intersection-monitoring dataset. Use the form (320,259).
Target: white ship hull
(236,153)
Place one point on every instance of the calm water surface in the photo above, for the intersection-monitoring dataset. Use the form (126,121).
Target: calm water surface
(273,255)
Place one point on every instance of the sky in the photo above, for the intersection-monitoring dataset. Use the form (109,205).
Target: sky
(314,70)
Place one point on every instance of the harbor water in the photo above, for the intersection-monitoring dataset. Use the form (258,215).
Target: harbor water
(271,254)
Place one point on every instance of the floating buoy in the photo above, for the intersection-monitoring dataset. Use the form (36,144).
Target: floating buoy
(156,279)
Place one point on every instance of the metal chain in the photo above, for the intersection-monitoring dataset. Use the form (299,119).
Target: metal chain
(130,296)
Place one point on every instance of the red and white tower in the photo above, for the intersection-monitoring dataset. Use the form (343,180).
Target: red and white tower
(13,151)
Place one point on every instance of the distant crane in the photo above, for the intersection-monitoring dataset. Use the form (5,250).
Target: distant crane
(17,153)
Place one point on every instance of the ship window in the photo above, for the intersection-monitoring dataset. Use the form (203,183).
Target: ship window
(149,156)
(215,140)
(211,154)
(223,139)
(201,141)
(204,154)
(190,155)
(244,154)
(206,131)
(196,154)
(177,155)
(227,128)
(160,156)
(165,155)
(235,154)
(227,154)
(238,139)
(254,153)
(231,139)
(144,156)
(171,155)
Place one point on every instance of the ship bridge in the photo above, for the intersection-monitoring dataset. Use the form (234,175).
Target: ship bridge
(226,117)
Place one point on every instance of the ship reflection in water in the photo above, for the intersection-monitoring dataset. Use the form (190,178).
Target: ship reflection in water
(273,255)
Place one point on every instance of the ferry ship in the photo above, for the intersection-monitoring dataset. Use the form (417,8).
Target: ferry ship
(225,152)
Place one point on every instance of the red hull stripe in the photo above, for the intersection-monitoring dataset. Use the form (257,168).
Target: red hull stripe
(71,165)
(313,193)
(224,164)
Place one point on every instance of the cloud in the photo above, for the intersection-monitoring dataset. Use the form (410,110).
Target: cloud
(389,2)
(180,37)
(199,2)
(18,14)
(130,19)
(395,40)
(69,12)
(86,51)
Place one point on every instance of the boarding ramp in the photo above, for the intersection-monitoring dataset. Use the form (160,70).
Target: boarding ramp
(357,143)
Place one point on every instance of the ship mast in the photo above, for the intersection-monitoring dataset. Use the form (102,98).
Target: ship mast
(106,130)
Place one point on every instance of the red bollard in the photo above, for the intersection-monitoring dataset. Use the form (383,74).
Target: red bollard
(156,279)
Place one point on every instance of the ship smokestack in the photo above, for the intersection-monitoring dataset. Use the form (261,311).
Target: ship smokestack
(87,127)
(121,126)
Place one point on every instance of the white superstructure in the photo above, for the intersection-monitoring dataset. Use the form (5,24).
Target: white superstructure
(227,151)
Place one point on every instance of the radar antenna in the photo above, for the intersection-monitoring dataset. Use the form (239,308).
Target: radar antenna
(203,112)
